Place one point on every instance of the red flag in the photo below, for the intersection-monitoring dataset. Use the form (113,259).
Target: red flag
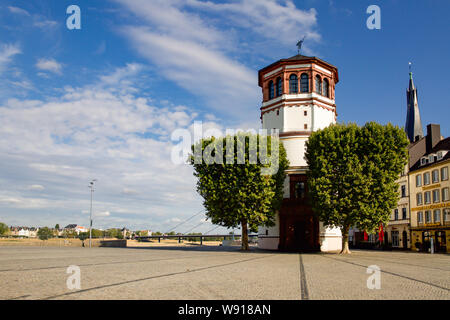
(366,236)
(381,233)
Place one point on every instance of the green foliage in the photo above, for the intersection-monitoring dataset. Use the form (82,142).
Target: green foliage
(57,226)
(240,194)
(83,236)
(114,233)
(45,233)
(4,230)
(69,233)
(157,233)
(352,173)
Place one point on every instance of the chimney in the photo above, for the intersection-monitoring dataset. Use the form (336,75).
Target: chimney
(433,136)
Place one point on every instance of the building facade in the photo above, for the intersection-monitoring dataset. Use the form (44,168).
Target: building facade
(298,98)
(430,199)
(397,231)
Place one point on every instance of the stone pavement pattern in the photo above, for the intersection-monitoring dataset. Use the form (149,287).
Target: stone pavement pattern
(218,273)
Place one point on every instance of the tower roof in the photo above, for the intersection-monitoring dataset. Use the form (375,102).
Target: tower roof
(299,58)
(413,126)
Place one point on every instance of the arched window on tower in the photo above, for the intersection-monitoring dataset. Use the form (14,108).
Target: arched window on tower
(318,85)
(271,89)
(279,87)
(304,83)
(293,84)
(326,87)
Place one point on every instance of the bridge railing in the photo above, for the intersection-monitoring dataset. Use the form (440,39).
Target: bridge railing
(180,236)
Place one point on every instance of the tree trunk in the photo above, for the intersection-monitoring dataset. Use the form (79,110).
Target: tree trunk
(244,238)
(345,249)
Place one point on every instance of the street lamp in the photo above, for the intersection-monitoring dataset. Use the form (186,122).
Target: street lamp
(91,186)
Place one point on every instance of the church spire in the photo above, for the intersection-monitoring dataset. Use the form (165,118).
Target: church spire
(413,125)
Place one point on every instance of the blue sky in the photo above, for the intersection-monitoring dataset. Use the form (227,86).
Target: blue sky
(101,102)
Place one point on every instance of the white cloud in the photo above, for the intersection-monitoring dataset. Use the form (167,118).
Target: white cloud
(98,132)
(7,52)
(45,23)
(49,65)
(18,10)
(36,187)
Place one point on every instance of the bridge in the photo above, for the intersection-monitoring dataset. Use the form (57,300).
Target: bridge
(183,236)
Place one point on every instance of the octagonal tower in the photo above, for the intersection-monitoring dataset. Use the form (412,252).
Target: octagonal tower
(298,98)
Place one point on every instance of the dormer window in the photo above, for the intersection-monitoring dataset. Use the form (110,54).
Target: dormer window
(430,158)
(423,161)
(440,155)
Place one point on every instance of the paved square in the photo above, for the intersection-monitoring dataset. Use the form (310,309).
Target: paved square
(218,273)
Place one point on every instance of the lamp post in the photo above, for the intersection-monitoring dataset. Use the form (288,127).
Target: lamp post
(91,186)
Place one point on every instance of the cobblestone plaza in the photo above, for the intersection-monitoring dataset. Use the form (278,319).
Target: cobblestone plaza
(218,273)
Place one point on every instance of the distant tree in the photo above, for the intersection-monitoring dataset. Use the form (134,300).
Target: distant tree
(247,194)
(157,233)
(45,233)
(352,175)
(4,230)
(83,236)
(68,233)
(57,226)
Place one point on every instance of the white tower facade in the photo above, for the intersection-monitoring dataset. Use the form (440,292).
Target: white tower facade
(298,98)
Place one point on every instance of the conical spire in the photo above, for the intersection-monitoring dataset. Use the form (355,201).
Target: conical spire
(413,125)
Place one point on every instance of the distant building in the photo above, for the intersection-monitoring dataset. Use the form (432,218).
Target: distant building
(76,228)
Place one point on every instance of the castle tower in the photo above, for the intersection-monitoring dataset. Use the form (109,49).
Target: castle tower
(298,98)
(413,125)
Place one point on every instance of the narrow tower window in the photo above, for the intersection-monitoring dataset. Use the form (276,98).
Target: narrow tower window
(293,84)
(271,89)
(304,83)
(279,87)
(318,85)
(325,88)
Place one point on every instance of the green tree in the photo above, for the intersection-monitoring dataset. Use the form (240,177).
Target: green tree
(352,174)
(45,233)
(57,226)
(4,230)
(83,236)
(246,194)
(68,233)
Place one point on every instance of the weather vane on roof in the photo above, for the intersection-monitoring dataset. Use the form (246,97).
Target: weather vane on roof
(299,44)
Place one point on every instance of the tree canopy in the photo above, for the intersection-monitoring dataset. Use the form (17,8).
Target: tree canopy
(352,174)
(243,185)
(4,230)
(45,233)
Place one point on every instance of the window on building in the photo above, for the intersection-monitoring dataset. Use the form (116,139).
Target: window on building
(293,84)
(279,87)
(305,126)
(428,216)
(418,180)
(278,112)
(403,191)
(318,85)
(435,176)
(304,83)
(445,194)
(431,158)
(423,161)
(444,173)
(436,196)
(426,178)
(305,113)
(403,213)
(271,90)
(427,195)
(299,191)
(420,217)
(439,155)
(326,86)
(396,214)
(446,214)
(419,200)
(437,215)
